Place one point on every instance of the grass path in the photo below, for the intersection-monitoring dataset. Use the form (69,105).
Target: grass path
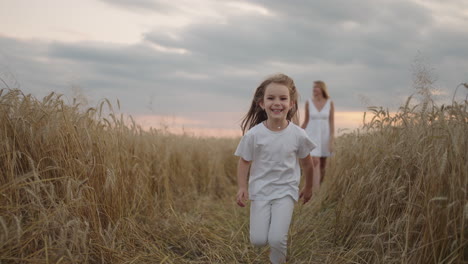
(217,230)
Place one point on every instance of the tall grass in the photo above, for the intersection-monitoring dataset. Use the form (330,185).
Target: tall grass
(87,187)
(80,187)
(400,188)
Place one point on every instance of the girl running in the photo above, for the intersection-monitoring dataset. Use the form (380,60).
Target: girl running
(270,150)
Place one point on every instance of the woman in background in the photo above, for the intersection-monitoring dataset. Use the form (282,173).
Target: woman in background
(319,124)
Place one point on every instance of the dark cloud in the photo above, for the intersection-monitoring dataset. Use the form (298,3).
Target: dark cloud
(305,33)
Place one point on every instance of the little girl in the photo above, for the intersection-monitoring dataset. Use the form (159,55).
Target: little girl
(271,148)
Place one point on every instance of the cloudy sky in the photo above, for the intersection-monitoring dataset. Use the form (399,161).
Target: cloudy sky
(195,64)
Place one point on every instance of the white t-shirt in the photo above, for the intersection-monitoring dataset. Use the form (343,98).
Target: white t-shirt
(275,171)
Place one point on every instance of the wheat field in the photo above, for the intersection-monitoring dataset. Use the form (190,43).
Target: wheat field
(88,186)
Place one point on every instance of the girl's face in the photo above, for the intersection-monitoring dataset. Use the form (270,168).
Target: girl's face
(317,91)
(276,101)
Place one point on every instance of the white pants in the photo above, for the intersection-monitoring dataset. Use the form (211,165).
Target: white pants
(269,223)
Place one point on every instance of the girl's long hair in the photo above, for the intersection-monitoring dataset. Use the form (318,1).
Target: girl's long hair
(256,114)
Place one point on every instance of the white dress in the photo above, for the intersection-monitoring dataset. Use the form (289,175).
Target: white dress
(318,129)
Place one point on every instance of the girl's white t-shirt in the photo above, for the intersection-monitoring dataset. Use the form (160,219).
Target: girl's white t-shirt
(275,171)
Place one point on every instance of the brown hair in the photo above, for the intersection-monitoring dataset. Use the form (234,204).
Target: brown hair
(322,87)
(256,114)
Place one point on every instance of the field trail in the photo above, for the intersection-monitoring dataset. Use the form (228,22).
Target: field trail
(226,225)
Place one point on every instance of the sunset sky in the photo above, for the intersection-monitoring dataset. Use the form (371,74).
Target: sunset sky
(194,65)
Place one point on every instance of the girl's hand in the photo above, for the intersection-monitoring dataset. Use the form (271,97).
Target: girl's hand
(242,197)
(306,194)
(330,146)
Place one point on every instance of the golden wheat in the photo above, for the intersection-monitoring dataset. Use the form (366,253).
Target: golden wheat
(81,186)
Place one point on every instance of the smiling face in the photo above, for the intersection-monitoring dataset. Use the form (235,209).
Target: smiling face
(276,101)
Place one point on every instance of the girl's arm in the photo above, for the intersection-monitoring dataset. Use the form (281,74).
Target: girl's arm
(308,169)
(332,126)
(306,120)
(242,172)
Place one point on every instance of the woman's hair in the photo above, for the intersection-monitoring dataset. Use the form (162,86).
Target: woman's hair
(323,87)
(256,114)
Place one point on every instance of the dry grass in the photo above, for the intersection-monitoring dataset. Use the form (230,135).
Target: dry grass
(84,187)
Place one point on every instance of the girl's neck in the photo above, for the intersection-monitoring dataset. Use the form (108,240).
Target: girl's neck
(276,125)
